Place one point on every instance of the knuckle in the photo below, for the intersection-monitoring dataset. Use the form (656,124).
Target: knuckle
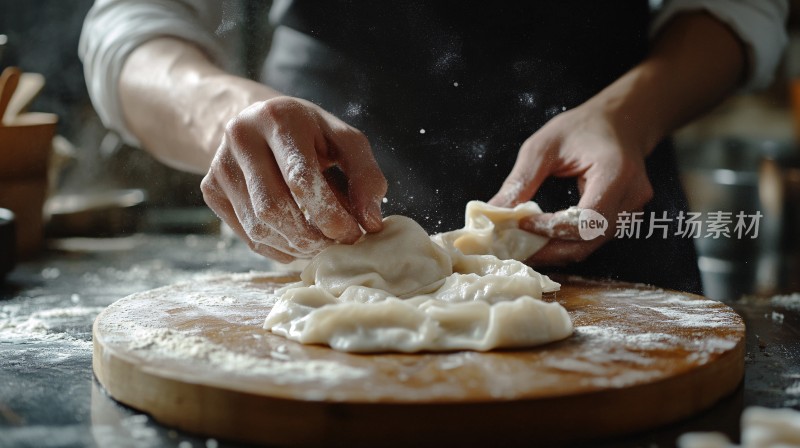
(233,126)
(223,171)
(277,109)
(208,185)
(299,171)
(298,182)
(259,233)
(237,131)
(213,194)
(264,210)
(272,110)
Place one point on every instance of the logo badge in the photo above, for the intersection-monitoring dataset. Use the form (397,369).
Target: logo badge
(591,224)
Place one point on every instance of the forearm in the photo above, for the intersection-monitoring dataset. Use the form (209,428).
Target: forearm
(177,102)
(695,62)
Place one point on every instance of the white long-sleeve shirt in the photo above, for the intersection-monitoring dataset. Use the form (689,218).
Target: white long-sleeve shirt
(114,28)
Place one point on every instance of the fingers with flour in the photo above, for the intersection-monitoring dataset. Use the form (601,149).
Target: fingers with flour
(610,186)
(216,198)
(293,134)
(295,178)
(270,199)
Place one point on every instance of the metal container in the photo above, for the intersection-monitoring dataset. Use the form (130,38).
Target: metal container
(97,214)
(730,175)
(779,194)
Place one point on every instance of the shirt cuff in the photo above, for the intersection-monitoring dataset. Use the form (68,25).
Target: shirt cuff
(760,24)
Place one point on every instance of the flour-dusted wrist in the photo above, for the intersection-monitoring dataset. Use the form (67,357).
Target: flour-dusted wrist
(760,24)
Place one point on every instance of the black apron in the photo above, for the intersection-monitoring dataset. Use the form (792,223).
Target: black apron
(447,91)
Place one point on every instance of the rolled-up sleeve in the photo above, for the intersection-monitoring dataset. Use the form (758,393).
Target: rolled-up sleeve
(114,28)
(760,24)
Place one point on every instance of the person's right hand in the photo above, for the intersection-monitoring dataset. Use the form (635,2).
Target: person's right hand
(290,179)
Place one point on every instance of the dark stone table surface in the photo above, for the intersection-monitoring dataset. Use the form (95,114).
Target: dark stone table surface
(49,397)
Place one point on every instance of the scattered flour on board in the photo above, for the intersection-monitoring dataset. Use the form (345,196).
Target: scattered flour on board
(626,379)
(161,343)
(605,347)
(694,318)
(643,341)
(690,313)
(608,347)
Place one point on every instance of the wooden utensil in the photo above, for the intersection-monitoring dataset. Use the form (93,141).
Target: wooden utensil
(194,356)
(28,87)
(8,84)
(25,143)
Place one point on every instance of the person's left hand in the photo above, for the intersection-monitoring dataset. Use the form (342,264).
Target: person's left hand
(591,144)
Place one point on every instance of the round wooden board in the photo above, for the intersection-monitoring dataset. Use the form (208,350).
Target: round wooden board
(194,356)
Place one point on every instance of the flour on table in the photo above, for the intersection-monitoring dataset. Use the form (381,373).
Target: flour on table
(402,290)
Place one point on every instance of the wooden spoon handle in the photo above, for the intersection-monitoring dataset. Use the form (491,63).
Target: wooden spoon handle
(8,84)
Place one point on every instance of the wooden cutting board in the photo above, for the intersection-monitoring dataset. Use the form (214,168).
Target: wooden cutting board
(194,356)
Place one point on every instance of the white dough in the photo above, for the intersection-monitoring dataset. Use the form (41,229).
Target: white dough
(401,290)
(491,230)
(416,267)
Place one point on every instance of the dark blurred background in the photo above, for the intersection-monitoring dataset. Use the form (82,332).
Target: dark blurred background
(741,157)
